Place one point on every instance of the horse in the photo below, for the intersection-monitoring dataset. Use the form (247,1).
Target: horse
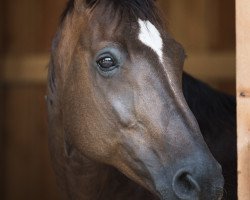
(119,125)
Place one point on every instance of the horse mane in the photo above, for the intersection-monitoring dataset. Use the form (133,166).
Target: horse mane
(144,9)
(209,105)
(209,94)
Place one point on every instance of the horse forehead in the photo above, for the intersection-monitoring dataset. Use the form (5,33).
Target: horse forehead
(151,37)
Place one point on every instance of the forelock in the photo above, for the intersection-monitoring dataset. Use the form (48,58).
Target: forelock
(143,9)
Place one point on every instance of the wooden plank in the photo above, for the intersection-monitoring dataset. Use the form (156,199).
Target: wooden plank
(1,26)
(25,69)
(2,142)
(28,173)
(225,24)
(193,14)
(211,67)
(30,25)
(23,25)
(50,21)
(243,96)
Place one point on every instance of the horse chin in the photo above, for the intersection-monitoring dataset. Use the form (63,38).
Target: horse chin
(167,194)
(170,193)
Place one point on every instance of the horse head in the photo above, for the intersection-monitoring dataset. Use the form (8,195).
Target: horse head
(115,89)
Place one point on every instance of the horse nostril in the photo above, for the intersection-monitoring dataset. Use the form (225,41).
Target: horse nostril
(185,186)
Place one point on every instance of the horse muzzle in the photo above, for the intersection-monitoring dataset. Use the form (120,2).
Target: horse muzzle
(198,181)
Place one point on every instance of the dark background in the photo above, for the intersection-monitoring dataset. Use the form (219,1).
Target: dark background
(206,28)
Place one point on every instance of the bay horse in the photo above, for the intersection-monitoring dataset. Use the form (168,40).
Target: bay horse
(119,125)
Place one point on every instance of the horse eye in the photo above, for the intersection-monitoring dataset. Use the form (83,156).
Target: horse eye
(106,64)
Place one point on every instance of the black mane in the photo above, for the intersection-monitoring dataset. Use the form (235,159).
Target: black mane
(144,9)
(216,116)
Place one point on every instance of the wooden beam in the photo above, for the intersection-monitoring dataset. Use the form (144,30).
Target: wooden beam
(33,68)
(243,97)
(1,26)
(25,69)
(211,67)
(28,170)
(2,141)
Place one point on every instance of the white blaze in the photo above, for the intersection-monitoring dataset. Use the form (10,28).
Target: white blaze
(151,37)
